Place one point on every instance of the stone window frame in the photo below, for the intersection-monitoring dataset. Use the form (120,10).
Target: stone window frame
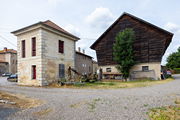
(108,69)
(145,68)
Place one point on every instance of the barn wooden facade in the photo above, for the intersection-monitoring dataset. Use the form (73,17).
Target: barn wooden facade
(149,46)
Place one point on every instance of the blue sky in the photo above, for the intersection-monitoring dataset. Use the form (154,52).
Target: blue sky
(87,19)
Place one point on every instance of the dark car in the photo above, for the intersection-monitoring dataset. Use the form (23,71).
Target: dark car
(6,74)
(12,78)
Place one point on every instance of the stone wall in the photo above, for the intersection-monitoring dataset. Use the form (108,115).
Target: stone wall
(11,58)
(113,68)
(47,57)
(4,68)
(155,66)
(25,64)
(83,64)
(52,58)
(95,68)
(136,71)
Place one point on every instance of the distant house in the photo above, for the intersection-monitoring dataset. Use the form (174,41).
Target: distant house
(95,67)
(8,61)
(45,52)
(149,46)
(83,63)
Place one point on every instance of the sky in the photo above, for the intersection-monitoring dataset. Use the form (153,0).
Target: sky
(87,19)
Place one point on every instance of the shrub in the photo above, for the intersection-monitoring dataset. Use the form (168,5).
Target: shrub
(177,70)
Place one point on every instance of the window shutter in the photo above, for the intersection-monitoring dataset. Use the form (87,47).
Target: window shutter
(23,49)
(61,70)
(61,46)
(33,72)
(33,46)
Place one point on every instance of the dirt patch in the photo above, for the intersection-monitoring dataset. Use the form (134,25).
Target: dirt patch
(19,101)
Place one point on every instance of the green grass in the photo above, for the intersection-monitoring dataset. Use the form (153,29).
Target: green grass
(116,85)
(92,105)
(166,113)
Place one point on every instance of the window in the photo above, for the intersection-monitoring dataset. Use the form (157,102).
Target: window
(34,72)
(145,68)
(33,46)
(23,49)
(61,70)
(61,46)
(108,69)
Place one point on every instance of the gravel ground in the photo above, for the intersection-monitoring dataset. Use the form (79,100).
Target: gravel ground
(96,104)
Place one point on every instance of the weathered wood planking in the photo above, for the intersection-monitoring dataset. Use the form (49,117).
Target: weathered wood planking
(149,45)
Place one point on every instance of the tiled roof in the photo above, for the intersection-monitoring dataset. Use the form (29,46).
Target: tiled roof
(53,25)
(50,24)
(2,61)
(77,52)
(8,51)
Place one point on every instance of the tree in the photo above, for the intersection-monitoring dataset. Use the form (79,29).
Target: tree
(123,51)
(173,60)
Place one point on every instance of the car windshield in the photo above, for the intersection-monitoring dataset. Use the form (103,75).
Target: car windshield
(13,76)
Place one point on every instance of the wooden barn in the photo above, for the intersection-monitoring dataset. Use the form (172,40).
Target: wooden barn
(149,46)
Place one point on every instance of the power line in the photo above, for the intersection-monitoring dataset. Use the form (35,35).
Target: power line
(7,41)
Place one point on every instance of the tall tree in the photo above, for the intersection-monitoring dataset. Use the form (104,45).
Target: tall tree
(173,60)
(123,51)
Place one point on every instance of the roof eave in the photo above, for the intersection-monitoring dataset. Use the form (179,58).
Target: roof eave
(22,29)
(41,23)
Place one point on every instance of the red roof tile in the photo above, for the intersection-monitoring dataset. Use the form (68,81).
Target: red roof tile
(53,25)
(50,24)
(8,51)
(2,61)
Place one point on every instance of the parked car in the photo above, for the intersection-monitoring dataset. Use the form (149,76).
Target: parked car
(12,78)
(6,74)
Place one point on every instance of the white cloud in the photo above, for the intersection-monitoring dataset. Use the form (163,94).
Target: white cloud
(172,27)
(72,29)
(100,18)
(84,44)
(53,2)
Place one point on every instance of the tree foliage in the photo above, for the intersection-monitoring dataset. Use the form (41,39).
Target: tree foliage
(123,51)
(173,60)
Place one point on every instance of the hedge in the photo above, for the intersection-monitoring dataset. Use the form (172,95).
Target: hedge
(177,70)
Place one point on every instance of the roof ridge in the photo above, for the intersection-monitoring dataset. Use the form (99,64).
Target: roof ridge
(137,18)
(55,26)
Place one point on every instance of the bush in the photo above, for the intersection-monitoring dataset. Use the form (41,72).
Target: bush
(177,70)
(91,78)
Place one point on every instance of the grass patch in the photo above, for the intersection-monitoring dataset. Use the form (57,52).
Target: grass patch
(165,113)
(43,112)
(92,105)
(78,104)
(19,100)
(116,85)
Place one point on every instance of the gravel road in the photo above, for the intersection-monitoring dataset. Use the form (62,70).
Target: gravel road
(96,104)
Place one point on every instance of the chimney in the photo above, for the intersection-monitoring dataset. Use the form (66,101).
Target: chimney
(83,51)
(79,49)
(5,49)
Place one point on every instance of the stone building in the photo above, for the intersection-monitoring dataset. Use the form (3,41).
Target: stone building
(149,46)
(8,61)
(45,52)
(83,63)
(95,67)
